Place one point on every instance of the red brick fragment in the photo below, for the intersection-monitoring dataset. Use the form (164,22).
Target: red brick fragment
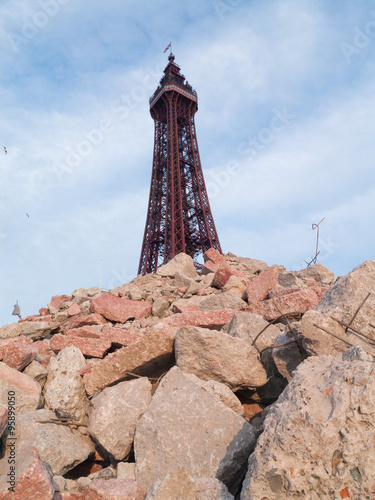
(344,493)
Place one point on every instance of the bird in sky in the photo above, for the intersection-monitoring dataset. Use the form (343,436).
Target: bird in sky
(5,150)
(27,215)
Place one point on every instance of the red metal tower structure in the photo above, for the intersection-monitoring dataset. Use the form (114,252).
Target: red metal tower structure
(179,217)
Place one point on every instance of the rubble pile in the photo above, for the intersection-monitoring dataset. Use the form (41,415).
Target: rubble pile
(242,381)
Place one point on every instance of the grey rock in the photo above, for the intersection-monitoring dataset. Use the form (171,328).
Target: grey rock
(160,307)
(344,298)
(289,280)
(324,335)
(59,446)
(318,437)
(316,273)
(116,412)
(220,391)
(288,357)
(247,326)
(212,355)
(179,484)
(182,264)
(190,429)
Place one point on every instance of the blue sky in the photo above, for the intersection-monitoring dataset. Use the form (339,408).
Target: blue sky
(285,129)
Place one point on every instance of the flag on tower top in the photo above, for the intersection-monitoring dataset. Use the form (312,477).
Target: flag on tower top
(168,47)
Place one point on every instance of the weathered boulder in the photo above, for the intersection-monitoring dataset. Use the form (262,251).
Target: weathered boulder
(181,263)
(119,309)
(27,393)
(247,326)
(59,446)
(318,438)
(290,353)
(25,476)
(33,329)
(160,307)
(322,334)
(114,489)
(64,389)
(289,280)
(179,484)
(151,355)
(189,428)
(317,273)
(220,391)
(212,355)
(115,414)
(343,299)
(236,285)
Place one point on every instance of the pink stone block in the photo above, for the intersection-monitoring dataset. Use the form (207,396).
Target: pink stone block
(300,301)
(18,355)
(85,320)
(33,481)
(208,319)
(259,287)
(58,299)
(119,309)
(18,340)
(95,348)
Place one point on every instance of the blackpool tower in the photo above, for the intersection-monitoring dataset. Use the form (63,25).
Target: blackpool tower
(179,217)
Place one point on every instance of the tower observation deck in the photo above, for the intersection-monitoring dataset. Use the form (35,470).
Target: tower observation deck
(179,217)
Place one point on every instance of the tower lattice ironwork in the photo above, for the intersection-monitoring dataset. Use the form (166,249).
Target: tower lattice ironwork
(179,217)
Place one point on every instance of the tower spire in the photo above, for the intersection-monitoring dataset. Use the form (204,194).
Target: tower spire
(179,217)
